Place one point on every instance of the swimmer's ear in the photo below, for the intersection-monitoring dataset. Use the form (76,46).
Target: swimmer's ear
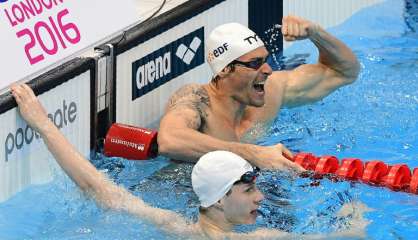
(219,205)
(228,69)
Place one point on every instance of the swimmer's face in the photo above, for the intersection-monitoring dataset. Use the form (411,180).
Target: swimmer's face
(240,207)
(247,82)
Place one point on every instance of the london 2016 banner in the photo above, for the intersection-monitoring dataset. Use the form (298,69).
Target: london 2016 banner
(35,34)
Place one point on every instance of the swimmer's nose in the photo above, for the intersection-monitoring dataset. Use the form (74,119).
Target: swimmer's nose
(266,69)
(259,198)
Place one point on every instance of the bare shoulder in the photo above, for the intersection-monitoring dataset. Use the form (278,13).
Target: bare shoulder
(191,96)
(188,93)
(280,78)
(276,85)
(287,85)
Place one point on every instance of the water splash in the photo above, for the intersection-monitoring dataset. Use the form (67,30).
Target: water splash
(273,37)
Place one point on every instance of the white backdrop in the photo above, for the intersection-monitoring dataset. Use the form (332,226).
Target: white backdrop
(36,35)
(24,159)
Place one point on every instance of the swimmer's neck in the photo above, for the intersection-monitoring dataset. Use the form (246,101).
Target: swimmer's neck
(220,93)
(213,223)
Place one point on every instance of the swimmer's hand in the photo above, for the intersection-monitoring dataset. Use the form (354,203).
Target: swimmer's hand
(296,28)
(276,157)
(357,223)
(29,106)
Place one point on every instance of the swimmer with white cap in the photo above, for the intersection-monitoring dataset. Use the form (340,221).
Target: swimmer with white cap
(223,181)
(245,95)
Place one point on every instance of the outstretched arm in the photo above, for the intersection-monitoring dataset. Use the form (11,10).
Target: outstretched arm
(337,65)
(179,136)
(84,174)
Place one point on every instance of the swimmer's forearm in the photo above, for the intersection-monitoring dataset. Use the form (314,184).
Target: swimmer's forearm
(78,168)
(189,145)
(106,193)
(335,54)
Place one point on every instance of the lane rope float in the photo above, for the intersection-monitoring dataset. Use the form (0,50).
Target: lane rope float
(136,143)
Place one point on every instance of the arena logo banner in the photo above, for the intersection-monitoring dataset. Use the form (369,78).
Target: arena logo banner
(167,63)
(38,33)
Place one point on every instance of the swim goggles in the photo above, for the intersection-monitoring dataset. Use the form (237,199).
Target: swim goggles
(249,177)
(254,64)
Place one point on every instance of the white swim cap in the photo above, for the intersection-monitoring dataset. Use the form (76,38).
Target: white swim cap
(215,173)
(228,42)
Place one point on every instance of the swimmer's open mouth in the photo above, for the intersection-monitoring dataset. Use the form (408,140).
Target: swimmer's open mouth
(259,87)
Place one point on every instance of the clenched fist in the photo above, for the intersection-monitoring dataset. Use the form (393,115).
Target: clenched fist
(296,28)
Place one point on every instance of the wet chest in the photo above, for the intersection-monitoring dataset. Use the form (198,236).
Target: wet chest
(215,126)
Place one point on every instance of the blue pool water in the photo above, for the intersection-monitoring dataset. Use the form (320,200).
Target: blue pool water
(375,118)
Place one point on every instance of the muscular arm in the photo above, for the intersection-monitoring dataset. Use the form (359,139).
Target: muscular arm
(85,175)
(337,65)
(179,136)
(105,192)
